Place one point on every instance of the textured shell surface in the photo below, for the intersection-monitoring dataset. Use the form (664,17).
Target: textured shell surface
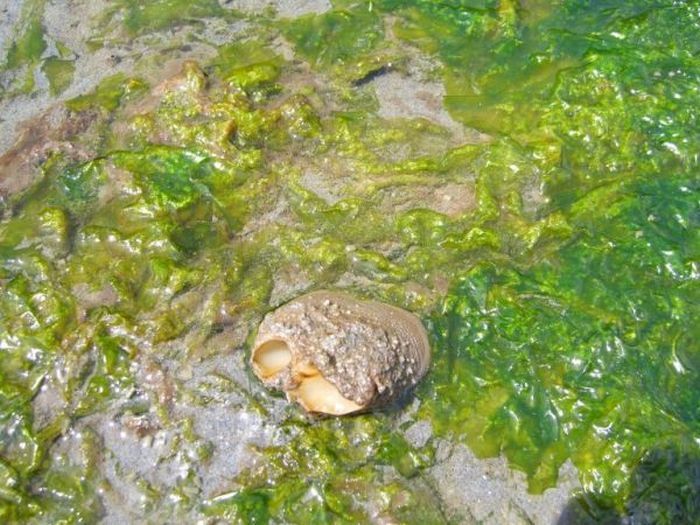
(369,351)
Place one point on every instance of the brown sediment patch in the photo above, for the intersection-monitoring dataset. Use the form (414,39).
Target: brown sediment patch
(41,137)
(88,299)
(452,199)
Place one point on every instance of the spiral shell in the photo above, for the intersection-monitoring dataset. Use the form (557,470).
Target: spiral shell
(335,354)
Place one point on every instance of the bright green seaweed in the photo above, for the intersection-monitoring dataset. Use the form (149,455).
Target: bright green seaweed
(562,304)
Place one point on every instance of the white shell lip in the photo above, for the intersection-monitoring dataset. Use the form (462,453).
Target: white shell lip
(335,354)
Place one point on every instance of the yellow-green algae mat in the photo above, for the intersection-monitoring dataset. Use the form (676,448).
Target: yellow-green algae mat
(561,298)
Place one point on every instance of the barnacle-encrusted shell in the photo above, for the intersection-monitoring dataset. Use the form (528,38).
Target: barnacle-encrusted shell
(335,354)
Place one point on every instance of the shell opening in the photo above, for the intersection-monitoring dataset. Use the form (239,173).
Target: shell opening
(272,357)
(316,394)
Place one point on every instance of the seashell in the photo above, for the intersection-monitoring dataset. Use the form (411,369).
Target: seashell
(335,354)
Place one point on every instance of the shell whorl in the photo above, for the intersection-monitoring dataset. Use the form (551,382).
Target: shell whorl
(327,344)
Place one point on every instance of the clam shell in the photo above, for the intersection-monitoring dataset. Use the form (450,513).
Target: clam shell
(335,354)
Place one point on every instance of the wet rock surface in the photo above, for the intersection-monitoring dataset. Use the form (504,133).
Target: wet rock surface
(213,397)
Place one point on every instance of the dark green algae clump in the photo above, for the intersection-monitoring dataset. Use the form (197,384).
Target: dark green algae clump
(562,300)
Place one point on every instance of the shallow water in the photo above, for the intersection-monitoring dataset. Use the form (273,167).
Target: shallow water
(552,253)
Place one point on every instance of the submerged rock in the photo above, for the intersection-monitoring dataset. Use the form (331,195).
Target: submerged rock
(337,355)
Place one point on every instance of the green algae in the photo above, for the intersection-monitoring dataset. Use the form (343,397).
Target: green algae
(28,48)
(138,18)
(347,41)
(108,95)
(567,329)
(60,74)
(27,55)
(281,492)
